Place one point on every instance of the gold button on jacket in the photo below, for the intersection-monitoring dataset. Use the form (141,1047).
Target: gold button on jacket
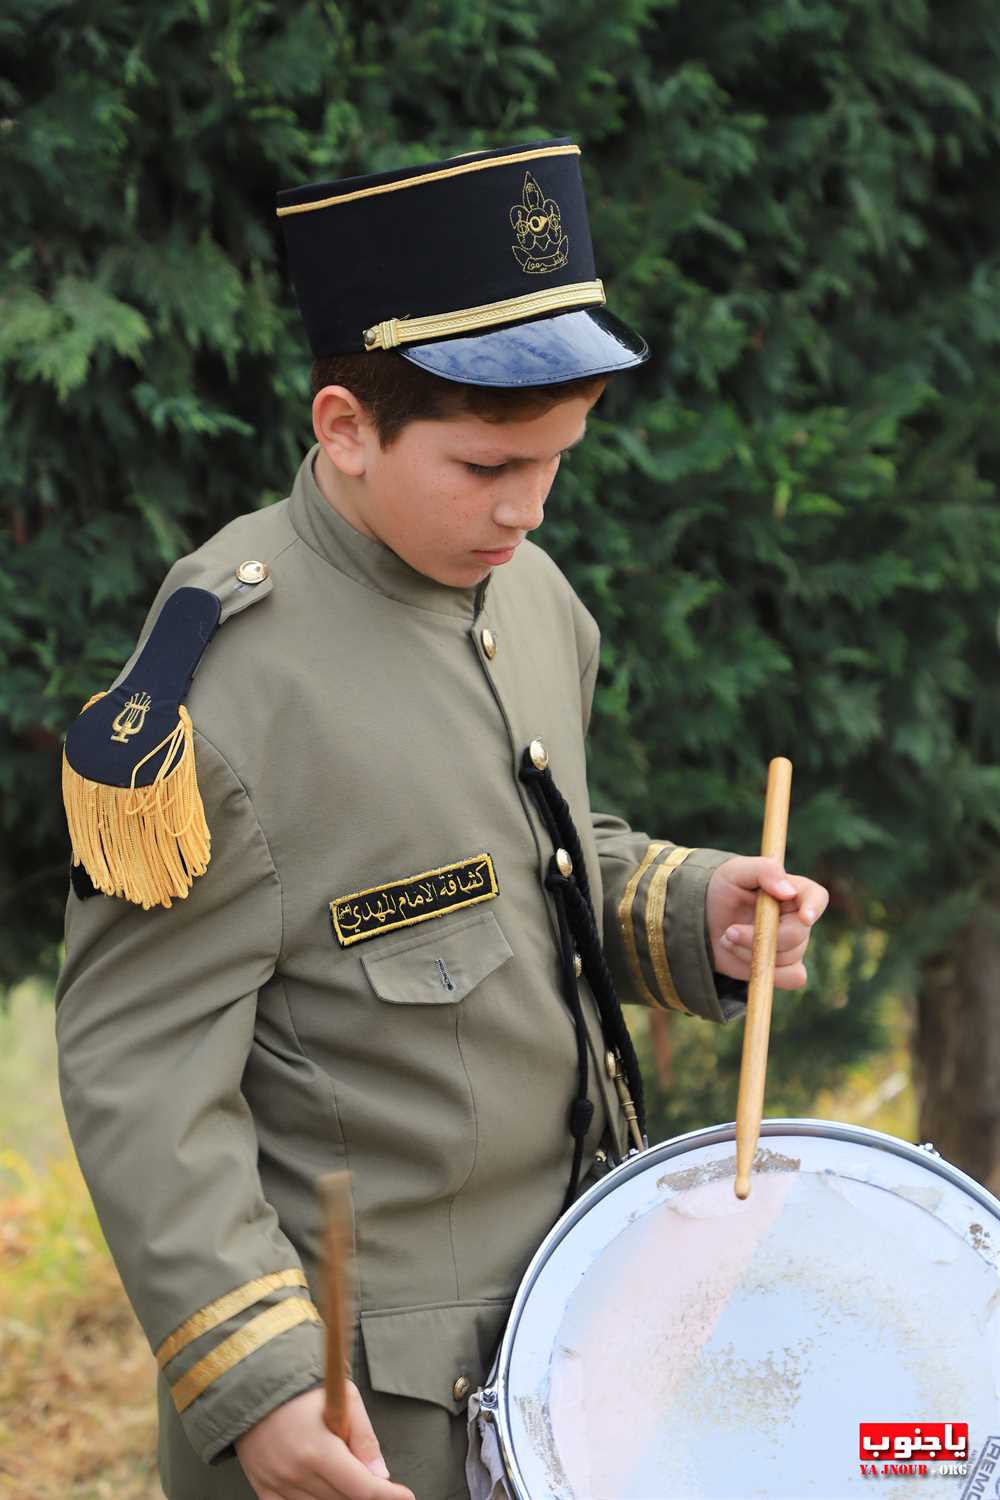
(218,1056)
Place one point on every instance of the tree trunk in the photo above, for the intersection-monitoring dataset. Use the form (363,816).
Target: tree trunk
(957,1050)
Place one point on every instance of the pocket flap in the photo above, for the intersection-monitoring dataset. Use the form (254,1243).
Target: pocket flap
(439,967)
(430,1353)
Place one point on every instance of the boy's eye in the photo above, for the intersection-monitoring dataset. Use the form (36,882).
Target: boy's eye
(486,468)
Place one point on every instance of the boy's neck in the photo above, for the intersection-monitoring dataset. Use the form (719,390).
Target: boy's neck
(336,489)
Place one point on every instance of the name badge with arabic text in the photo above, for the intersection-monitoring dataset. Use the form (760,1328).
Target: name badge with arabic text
(418,898)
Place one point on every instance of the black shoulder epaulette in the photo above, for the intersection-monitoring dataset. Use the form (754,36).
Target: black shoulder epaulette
(135,813)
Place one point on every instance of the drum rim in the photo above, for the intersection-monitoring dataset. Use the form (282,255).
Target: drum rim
(493,1394)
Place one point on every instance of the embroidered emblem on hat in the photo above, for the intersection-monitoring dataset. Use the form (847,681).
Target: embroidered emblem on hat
(541,244)
(417,898)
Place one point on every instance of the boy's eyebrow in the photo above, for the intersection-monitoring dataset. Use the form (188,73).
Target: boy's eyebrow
(517,458)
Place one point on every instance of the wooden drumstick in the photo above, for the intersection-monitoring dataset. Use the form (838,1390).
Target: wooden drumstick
(338,1283)
(753,1067)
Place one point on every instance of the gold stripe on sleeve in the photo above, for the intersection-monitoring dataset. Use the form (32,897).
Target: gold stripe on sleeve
(438,176)
(225,1307)
(247,1340)
(656,906)
(626,925)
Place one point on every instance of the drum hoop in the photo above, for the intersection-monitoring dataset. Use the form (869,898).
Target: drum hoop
(494,1393)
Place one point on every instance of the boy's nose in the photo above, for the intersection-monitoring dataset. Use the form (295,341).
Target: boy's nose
(523,509)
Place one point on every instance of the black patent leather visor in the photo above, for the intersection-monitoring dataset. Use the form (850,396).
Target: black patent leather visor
(566,346)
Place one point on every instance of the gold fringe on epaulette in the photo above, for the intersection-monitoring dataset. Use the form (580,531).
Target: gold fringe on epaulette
(145,843)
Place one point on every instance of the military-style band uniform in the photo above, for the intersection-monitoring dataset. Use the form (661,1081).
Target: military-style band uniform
(325,936)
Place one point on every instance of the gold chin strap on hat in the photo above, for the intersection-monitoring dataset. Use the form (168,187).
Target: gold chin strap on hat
(395,331)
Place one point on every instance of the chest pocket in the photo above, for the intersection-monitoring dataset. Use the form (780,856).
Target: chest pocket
(442,966)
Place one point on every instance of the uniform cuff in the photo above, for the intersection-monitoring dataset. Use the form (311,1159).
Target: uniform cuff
(232,1362)
(663,932)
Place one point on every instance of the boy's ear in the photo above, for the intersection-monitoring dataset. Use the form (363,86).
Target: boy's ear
(343,429)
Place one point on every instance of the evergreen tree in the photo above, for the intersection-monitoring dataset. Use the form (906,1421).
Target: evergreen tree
(786,522)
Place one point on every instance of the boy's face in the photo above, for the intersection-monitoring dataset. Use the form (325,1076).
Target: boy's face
(454,498)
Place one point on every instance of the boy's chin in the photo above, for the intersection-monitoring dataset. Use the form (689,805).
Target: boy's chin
(458,575)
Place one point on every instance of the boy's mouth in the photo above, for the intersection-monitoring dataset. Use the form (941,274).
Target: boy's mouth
(497,555)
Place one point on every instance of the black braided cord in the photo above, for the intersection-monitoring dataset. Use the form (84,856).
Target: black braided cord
(581,1111)
(595,966)
(568,836)
(578,927)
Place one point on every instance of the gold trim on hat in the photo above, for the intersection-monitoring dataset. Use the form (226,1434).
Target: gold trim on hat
(442,172)
(396,331)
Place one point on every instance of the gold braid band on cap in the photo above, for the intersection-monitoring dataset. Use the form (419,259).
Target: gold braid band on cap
(396,331)
(146,843)
(226,1306)
(442,172)
(238,1346)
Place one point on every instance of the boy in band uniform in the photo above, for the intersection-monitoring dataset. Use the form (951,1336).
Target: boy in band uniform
(329,907)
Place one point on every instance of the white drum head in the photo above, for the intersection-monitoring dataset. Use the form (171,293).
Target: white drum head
(669,1342)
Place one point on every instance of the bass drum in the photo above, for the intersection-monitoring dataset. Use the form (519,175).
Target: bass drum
(668,1342)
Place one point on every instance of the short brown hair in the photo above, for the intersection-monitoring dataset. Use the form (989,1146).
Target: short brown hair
(396,392)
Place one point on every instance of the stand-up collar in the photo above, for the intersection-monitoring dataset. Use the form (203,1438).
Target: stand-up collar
(366,560)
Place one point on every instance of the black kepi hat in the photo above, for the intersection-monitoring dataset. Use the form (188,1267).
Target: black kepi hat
(478,268)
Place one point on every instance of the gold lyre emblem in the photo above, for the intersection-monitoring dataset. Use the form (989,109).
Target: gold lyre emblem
(537,221)
(132,717)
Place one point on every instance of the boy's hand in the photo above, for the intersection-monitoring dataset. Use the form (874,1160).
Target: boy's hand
(729,911)
(291,1455)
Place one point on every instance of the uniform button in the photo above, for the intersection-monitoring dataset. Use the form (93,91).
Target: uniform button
(539,755)
(564,863)
(461,1388)
(252,572)
(577,965)
(490,647)
(611,1063)
(600,1156)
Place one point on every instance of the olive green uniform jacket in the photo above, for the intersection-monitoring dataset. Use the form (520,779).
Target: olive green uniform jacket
(356,724)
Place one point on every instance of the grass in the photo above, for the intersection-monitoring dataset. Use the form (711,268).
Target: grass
(77,1414)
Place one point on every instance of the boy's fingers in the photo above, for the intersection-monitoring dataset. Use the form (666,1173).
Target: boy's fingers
(755,872)
(803,895)
(813,900)
(791,935)
(318,1491)
(364,1445)
(741,956)
(346,1486)
(789,974)
(361,1439)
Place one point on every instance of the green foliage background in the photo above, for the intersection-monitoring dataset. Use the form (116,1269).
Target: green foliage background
(786,522)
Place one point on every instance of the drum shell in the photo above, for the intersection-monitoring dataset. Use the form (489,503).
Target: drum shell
(806,1159)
